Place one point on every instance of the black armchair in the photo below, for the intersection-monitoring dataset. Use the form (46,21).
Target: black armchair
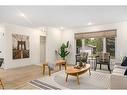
(1,61)
(82,57)
(103,59)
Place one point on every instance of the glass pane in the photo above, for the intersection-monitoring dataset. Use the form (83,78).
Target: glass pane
(90,45)
(110,46)
(93,45)
(78,45)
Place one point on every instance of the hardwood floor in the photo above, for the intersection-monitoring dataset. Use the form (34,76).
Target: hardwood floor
(18,78)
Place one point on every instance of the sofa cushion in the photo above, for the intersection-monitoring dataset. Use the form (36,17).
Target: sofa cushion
(125,73)
(120,67)
(118,71)
(124,63)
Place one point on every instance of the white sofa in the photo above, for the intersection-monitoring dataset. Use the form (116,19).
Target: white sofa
(118,80)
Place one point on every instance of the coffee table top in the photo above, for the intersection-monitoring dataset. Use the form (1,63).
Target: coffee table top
(72,70)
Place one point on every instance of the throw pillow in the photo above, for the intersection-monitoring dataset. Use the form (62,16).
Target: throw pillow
(124,63)
(124,58)
(125,73)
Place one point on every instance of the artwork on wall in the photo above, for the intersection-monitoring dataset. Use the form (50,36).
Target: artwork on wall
(20,47)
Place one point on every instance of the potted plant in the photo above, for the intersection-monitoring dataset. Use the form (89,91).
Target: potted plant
(63,50)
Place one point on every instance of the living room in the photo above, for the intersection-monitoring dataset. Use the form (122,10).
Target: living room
(59,26)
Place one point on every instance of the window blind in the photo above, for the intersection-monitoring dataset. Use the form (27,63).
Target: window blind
(98,34)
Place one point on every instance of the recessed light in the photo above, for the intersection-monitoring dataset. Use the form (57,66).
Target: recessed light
(42,29)
(22,15)
(61,28)
(90,23)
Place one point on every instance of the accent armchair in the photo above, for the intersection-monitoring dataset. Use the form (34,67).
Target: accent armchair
(82,57)
(103,59)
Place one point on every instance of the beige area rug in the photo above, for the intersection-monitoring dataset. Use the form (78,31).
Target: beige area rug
(56,81)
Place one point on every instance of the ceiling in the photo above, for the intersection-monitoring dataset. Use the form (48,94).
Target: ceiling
(65,16)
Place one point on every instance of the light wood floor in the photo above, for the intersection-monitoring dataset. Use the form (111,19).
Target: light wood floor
(18,78)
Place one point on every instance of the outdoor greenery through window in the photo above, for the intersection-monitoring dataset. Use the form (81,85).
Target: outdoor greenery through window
(110,46)
(95,45)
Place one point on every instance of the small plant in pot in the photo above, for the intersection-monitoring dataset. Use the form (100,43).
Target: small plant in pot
(63,50)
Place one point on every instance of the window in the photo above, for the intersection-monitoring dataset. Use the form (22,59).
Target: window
(94,42)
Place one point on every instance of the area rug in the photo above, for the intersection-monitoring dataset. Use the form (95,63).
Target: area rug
(43,85)
(56,81)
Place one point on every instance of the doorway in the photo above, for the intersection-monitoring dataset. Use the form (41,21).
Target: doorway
(42,49)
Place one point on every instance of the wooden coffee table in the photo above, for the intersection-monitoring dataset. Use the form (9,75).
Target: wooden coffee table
(76,72)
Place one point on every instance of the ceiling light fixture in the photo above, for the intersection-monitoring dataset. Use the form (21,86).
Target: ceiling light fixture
(21,14)
(43,29)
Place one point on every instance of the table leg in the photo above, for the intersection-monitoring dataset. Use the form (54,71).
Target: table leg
(60,66)
(66,77)
(49,71)
(78,79)
(1,84)
(43,69)
(65,65)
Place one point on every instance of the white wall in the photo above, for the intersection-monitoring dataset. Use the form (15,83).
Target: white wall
(42,49)
(68,35)
(121,46)
(53,42)
(34,38)
(54,39)
(2,31)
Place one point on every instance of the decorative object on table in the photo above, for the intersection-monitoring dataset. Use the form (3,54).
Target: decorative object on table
(63,52)
(80,65)
(20,45)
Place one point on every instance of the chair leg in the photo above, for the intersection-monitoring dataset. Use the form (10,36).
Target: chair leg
(89,72)
(109,68)
(66,77)
(95,67)
(100,66)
